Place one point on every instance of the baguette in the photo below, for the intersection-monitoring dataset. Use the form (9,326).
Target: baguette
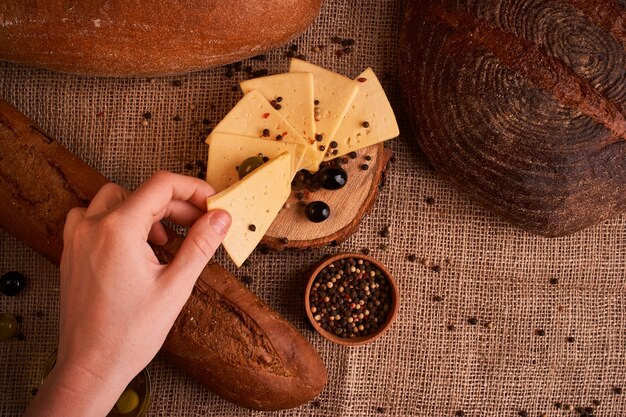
(225,336)
(147,37)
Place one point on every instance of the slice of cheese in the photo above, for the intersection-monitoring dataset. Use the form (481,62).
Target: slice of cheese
(253,201)
(372,106)
(335,94)
(228,151)
(295,92)
(252,115)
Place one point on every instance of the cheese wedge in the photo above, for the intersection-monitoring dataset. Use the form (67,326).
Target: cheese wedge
(227,152)
(253,203)
(335,94)
(372,107)
(252,115)
(295,92)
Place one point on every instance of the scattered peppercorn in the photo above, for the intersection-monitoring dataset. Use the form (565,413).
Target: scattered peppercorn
(322,148)
(333,144)
(266,132)
(284,240)
(319,137)
(364,167)
(596,402)
(300,195)
(252,228)
(352,155)
(570,339)
(473,321)
(617,390)
(347,42)
(316,404)
(412,257)
(177,83)
(381,409)
(290,54)
(558,405)
(177,118)
(451,327)
(554,281)
(361,79)
(147,115)
(278,106)
(366,124)
(234,88)
(293,47)
(522,413)
(435,268)
(368,158)
(540,332)
(246,279)
(429,200)
(438,298)
(365,251)
(279,137)
(460,413)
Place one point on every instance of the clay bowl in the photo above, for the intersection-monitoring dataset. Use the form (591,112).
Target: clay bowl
(388,319)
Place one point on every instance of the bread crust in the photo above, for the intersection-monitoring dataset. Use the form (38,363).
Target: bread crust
(147,37)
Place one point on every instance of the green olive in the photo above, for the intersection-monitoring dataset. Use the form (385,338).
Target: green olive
(8,326)
(128,401)
(249,165)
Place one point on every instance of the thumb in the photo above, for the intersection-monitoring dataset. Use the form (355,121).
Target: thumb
(198,248)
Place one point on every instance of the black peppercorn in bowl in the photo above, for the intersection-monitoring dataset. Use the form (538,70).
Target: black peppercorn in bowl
(351,299)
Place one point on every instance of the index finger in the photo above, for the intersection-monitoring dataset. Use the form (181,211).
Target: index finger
(150,201)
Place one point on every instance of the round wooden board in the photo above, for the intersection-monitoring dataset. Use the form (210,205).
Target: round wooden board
(347,206)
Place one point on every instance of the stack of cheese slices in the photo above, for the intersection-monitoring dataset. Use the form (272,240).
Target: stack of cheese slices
(297,120)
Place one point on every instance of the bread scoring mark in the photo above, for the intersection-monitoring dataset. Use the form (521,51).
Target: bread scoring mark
(548,73)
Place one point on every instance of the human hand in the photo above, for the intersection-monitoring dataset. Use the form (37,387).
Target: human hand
(118,302)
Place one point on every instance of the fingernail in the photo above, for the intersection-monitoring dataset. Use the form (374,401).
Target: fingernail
(220,221)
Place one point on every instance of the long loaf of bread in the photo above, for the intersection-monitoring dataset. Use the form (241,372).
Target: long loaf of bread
(225,336)
(147,37)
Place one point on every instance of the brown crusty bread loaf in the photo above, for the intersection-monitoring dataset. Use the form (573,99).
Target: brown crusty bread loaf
(225,336)
(522,104)
(147,37)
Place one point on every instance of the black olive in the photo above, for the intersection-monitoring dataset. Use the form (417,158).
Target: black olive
(12,283)
(317,211)
(332,178)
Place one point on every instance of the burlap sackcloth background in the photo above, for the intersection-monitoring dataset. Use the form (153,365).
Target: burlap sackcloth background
(489,270)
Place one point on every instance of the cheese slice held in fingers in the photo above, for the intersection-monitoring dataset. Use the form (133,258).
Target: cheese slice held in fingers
(228,151)
(369,120)
(291,94)
(334,94)
(253,203)
(254,116)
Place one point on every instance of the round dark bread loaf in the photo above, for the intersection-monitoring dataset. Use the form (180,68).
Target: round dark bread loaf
(147,37)
(522,104)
